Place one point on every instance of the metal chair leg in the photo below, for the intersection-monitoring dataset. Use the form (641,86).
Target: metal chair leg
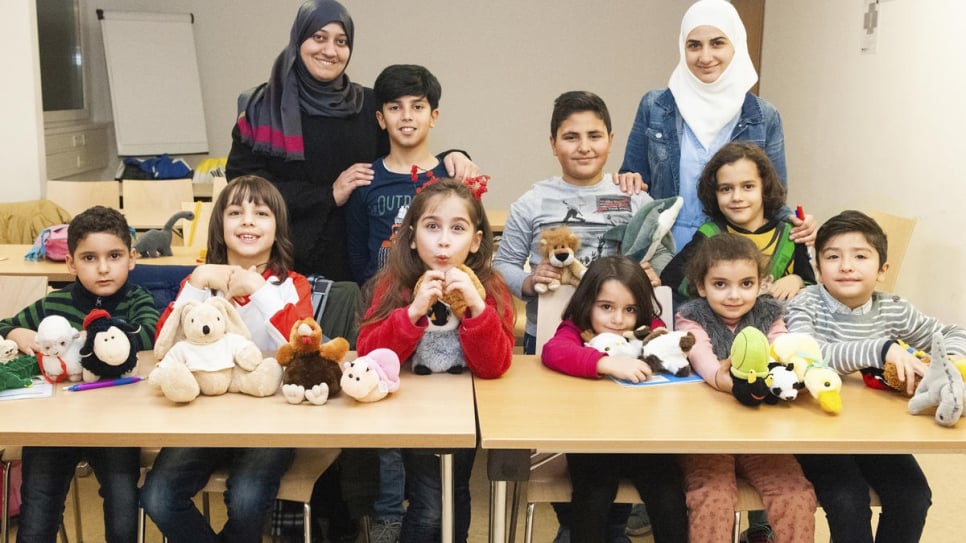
(4,516)
(528,534)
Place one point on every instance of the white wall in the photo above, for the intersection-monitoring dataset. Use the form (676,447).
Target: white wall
(881,131)
(21,139)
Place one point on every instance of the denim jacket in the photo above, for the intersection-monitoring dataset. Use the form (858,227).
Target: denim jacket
(654,148)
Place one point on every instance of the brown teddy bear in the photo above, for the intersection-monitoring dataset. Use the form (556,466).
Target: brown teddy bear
(312,368)
(558,246)
(455,299)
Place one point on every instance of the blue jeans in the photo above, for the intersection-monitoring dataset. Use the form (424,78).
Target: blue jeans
(179,473)
(392,486)
(842,484)
(47,472)
(424,491)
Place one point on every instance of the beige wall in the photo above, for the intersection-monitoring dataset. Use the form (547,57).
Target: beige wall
(21,136)
(882,131)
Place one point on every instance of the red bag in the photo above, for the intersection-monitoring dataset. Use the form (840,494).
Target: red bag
(14,506)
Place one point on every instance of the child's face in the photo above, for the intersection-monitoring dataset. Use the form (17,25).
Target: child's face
(739,194)
(407,120)
(444,236)
(249,234)
(708,53)
(101,262)
(614,309)
(582,145)
(848,266)
(731,287)
(326,52)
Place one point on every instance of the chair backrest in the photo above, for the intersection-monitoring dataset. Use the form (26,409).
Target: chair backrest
(19,291)
(149,203)
(218,184)
(551,305)
(899,231)
(195,233)
(162,281)
(76,196)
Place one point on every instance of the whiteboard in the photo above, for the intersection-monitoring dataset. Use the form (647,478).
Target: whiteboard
(152,70)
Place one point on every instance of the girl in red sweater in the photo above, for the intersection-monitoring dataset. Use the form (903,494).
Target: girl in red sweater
(445,228)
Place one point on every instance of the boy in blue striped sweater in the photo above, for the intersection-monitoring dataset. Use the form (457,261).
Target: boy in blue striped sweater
(100,255)
(858,328)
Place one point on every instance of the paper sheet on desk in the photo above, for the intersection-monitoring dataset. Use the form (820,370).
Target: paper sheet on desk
(659,379)
(38,389)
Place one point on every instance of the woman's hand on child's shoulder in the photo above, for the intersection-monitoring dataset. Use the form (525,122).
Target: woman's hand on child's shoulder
(630,369)
(457,280)
(428,290)
(907,365)
(786,288)
(211,276)
(804,230)
(244,282)
(630,182)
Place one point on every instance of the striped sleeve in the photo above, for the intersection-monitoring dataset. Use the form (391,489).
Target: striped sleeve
(138,308)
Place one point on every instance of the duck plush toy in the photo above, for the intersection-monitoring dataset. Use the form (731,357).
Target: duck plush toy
(312,370)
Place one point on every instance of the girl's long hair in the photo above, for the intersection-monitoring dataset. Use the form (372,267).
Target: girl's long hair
(252,188)
(626,272)
(403,268)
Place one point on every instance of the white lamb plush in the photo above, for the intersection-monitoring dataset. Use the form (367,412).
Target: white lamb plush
(60,347)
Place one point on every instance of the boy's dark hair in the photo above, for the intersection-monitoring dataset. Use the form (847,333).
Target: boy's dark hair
(97,219)
(626,272)
(854,221)
(401,80)
(572,102)
(772,191)
(724,246)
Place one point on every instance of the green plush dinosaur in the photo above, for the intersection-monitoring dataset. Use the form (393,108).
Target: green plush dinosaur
(17,372)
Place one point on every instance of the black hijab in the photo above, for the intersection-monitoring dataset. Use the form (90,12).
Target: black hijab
(269,115)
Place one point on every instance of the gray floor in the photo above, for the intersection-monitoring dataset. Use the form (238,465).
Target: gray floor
(947,475)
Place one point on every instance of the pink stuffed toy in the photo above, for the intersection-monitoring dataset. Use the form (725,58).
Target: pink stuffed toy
(372,377)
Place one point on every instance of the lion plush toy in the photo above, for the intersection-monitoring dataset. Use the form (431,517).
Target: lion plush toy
(312,370)
(558,246)
(204,348)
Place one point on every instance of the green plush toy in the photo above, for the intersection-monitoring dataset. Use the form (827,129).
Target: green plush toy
(17,372)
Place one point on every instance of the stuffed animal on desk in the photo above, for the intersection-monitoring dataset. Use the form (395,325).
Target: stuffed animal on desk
(204,348)
(439,349)
(664,351)
(749,368)
(802,354)
(312,370)
(941,387)
(558,246)
(155,243)
(372,377)
(17,371)
(60,346)
(8,350)
(111,349)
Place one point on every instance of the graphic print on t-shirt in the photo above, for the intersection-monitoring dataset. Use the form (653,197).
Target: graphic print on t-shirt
(589,217)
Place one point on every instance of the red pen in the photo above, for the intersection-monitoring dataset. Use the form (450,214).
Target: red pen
(800,213)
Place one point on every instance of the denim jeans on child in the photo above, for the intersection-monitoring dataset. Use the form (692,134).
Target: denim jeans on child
(392,486)
(179,473)
(47,472)
(423,489)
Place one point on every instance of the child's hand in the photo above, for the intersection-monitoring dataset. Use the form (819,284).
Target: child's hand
(211,276)
(630,369)
(358,175)
(787,287)
(459,166)
(430,290)
(244,282)
(907,365)
(804,231)
(26,340)
(630,182)
(544,273)
(457,280)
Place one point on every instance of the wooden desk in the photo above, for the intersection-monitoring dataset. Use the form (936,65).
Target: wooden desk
(430,412)
(532,407)
(12,262)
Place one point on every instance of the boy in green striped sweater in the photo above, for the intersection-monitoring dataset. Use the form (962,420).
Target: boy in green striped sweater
(100,255)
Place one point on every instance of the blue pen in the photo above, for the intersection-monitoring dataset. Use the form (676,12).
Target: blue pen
(103,384)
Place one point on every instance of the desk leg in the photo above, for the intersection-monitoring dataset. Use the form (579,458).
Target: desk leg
(497,511)
(447,527)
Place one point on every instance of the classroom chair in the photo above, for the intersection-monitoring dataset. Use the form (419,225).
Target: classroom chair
(898,230)
(77,196)
(149,203)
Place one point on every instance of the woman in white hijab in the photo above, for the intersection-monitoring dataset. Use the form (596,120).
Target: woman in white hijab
(707,104)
